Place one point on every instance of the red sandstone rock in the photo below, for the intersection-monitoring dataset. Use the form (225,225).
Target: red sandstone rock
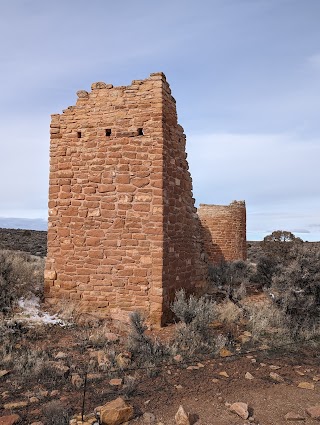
(9,419)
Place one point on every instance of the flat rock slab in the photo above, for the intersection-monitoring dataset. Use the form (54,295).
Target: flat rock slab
(314,412)
(9,419)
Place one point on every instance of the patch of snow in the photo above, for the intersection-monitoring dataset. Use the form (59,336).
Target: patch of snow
(31,313)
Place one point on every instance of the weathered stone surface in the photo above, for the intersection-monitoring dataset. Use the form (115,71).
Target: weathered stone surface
(61,355)
(123,360)
(224,231)
(76,380)
(123,232)
(276,377)
(241,409)
(314,412)
(9,419)
(4,373)
(60,368)
(292,416)
(182,417)
(306,385)
(249,376)
(15,405)
(224,352)
(82,94)
(115,412)
(148,418)
(115,382)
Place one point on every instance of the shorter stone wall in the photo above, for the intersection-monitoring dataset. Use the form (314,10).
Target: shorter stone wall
(223,230)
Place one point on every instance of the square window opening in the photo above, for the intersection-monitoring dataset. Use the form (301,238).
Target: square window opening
(140,131)
(108,132)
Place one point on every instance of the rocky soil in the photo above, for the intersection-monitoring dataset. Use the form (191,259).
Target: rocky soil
(31,241)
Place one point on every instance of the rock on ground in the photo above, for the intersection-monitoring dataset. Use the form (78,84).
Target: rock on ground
(314,412)
(241,409)
(9,419)
(115,412)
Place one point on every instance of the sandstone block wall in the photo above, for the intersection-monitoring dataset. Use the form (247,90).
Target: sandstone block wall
(224,231)
(123,233)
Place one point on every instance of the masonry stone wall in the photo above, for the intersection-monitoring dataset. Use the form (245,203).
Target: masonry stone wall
(224,231)
(123,232)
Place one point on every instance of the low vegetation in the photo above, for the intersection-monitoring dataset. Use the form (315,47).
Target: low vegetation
(271,301)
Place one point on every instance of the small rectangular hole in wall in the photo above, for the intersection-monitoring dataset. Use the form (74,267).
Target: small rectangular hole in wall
(79,134)
(108,132)
(140,131)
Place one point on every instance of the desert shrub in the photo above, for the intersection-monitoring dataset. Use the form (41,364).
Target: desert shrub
(229,313)
(198,313)
(265,270)
(193,334)
(296,288)
(56,414)
(145,351)
(231,278)
(130,385)
(268,324)
(20,276)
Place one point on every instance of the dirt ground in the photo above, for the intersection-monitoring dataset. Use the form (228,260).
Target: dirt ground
(201,389)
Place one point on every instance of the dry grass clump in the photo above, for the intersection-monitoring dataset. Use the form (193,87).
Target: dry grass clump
(268,324)
(145,351)
(21,276)
(56,413)
(228,312)
(193,334)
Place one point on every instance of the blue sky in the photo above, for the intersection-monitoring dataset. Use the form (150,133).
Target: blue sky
(245,74)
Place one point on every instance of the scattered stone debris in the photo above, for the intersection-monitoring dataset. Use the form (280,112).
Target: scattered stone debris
(248,376)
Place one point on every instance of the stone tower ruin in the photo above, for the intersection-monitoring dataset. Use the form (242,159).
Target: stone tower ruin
(123,232)
(223,230)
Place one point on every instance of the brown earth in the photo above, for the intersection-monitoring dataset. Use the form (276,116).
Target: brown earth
(201,390)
